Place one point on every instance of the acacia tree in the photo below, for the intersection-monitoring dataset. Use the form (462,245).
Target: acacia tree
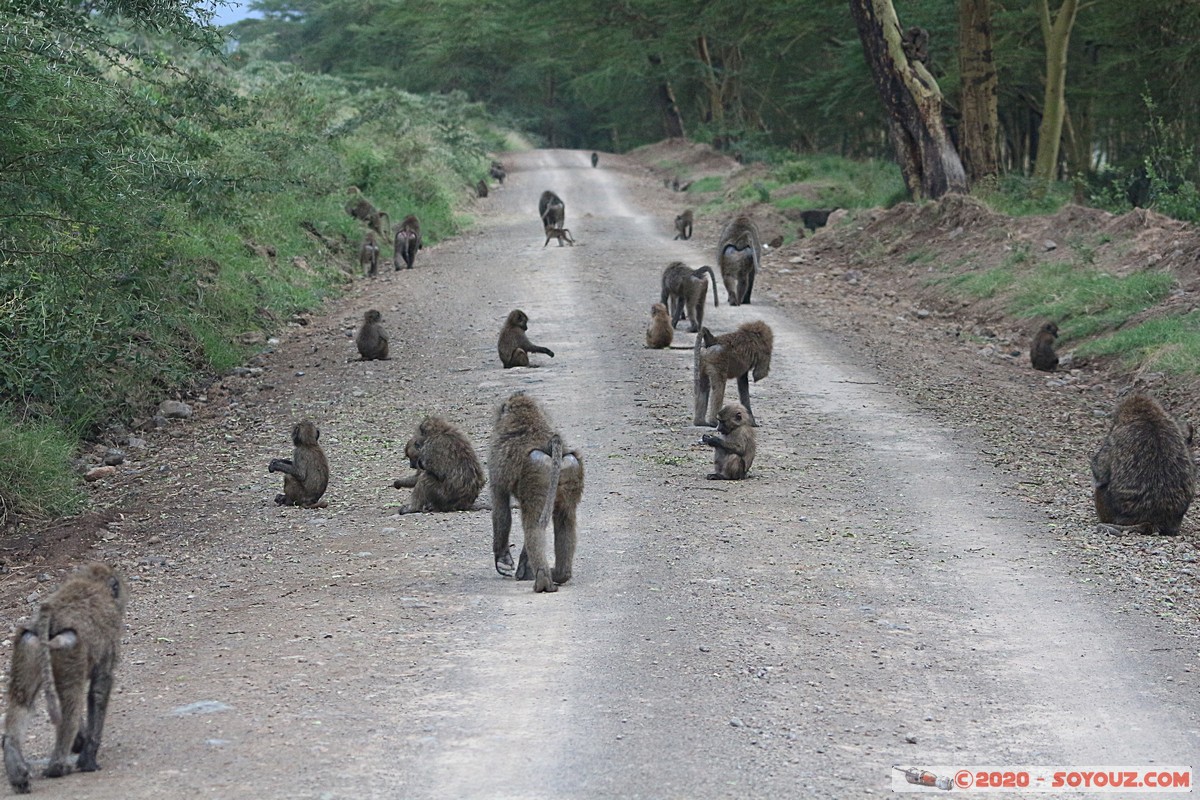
(977,141)
(1056,31)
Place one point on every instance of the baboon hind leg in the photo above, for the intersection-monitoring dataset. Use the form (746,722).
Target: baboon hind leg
(501,529)
(74,700)
(702,390)
(534,564)
(97,709)
(565,532)
(743,384)
(716,398)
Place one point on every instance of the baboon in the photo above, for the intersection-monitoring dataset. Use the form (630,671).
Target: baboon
(481,188)
(552,210)
(514,345)
(559,233)
(1143,475)
(739,254)
(661,332)
(449,475)
(368,255)
(408,241)
(739,354)
(360,207)
(683,226)
(372,339)
(776,243)
(528,460)
(306,473)
(915,43)
(498,172)
(595,160)
(684,290)
(70,651)
(1041,353)
(815,218)
(733,444)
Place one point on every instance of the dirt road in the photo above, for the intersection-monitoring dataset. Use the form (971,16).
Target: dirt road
(868,598)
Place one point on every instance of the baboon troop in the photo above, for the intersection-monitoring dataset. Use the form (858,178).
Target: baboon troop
(739,254)
(1143,475)
(684,291)
(562,234)
(368,255)
(306,473)
(372,340)
(683,225)
(595,160)
(449,475)
(70,651)
(498,172)
(481,188)
(1041,352)
(407,242)
(661,332)
(361,208)
(514,346)
(733,444)
(529,461)
(740,354)
(552,210)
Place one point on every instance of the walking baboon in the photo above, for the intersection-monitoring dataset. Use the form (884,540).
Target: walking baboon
(372,339)
(498,172)
(1041,353)
(738,354)
(360,207)
(558,233)
(739,255)
(408,241)
(70,650)
(661,332)
(449,475)
(1143,475)
(481,188)
(683,226)
(815,218)
(368,255)
(684,291)
(733,444)
(552,210)
(595,160)
(514,345)
(528,460)
(306,473)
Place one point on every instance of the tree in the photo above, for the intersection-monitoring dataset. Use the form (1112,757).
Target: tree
(977,140)
(1056,32)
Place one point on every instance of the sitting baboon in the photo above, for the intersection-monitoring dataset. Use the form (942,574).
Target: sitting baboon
(408,242)
(70,650)
(815,218)
(449,475)
(562,234)
(528,460)
(481,188)
(683,226)
(368,255)
(306,473)
(372,339)
(915,43)
(595,160)
(660,332)
(1041,352)
(684,291)
(552,210)
(360,207)
(733,444)
(1143,475)
(739,254)
(498,172)
(775,243)
(737,355)
(514,345)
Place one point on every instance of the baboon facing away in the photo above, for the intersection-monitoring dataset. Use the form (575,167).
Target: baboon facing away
(552,210)
(449,475)
(740,354)
(372,339)
(815,218)
(1143,475)
(739,254)
(498,172)
(733,444)
(683,225)
(514,345)
(361,208)
(660,332)
(481,188)
(528,460)
(684,291)
(595,160)
(368,255)
(70,650)
(1041,352)
(408,242)
(306,473)
(562,234)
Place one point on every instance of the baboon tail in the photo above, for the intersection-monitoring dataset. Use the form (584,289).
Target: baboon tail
(713,276)
(555,448)
(697,350)
(53,709)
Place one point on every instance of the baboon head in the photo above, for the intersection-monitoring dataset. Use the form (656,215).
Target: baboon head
(731,417)
(305,434)
(372,316)
(519,319)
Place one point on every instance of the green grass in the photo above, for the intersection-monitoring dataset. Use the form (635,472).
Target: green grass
(1086,301)
(35,473)
(712,183)
(982,284)
(1171,344)
(1019,196)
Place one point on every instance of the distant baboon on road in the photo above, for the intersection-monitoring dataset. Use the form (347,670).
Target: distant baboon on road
(660,332)
(306,473)
(737,355)
(552,210)
(684,290)
(372,339)
(739,254)
(1041,352)
(595,159)
(683,225)
(368,255)
(407,242)
(514,345)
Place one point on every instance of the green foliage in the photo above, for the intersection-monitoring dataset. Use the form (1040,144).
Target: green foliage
(985,283)
(712,183)
(1085,301)
(1170,167)
(1019,196)
(35,474)
(1170,343)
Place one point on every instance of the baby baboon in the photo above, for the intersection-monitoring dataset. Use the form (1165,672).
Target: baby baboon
(514,345)
(1143,474)
(915,43)
(558,233)
(739,254)
(684,290)
(731,355)
(552,210)
(498,172)
(70,650)
(815,218)
(661,332)
(776,243)
(481,188)
(595,160)
(733,444)
(306,473)
(1041,353)
(683,226)
(360,207)
(368,255)
(449,475)
(528,460)
(372,339)
(408,241)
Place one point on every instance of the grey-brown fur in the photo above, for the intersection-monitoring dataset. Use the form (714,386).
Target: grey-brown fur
(733,444)
(481,188)
(684,291)
(449,475)
(660,331)
(372,339)
(368,255)
(514,345)
(361,208)
(1041,352)
(683,225)
(407,242)
(552,210)
(498,172)
(595,160)
(306,473)
(562,234)
(740,354)
(739,255)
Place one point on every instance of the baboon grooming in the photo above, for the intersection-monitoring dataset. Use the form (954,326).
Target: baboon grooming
(595,160)
(552,210)
(368,255)
(514,345)
(683,227)
(481,188)
(1143,474)
(739,254)
(684,290)
(529,460)
(733,444)
(661,332)
(408,241)
(449,475)
(360,207)
(70,651)
(372,340)
(738,354)
(1041,353)
(558,233)
(306,473)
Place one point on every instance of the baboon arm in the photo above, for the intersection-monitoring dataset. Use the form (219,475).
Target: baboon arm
(285,466)
(406,483)
(721,443)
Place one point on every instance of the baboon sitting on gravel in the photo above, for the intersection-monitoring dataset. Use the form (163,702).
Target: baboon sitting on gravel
(659,334)
(514,345)
(733,444)
(1041,352)
(449,475)
(306,473)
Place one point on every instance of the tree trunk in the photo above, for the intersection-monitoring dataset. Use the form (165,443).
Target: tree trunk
(1057,34)
(977,142)
(913,102)
(665,95)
